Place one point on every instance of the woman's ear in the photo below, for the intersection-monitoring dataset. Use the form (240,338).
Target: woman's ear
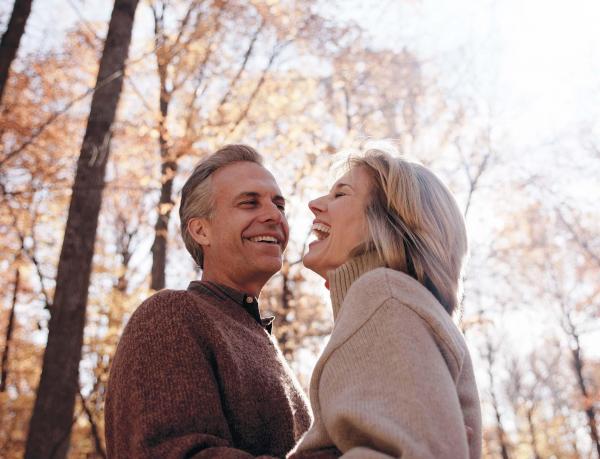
(199,230)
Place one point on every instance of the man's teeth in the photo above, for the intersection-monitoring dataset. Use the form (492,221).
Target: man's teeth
(322,231)
(264,239)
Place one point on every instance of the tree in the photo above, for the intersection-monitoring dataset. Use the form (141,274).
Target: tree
(211,70)
(9,332)
(490,354)
(11,39)
(52,417)
(556,256)
(172,64)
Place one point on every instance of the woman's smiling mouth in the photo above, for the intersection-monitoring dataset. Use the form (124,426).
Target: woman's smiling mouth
(321,231)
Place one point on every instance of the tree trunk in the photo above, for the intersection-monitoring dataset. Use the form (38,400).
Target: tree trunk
(52,417)
(168,170)
(284,338)
(588,404)
(500,428)
(9,332)
(161,228)
(495,405)
(11,39)
(532,433)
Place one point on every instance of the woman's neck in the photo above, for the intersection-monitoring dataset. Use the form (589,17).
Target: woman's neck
(341,278)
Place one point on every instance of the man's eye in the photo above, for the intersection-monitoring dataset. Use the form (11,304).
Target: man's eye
(281,207)
(248,203)
(338,194)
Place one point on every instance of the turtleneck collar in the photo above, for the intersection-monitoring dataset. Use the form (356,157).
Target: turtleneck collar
(341,278)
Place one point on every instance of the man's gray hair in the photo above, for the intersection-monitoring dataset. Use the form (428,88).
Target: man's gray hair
(196,195)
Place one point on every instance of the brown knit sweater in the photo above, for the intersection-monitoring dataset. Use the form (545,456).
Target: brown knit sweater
(196,376)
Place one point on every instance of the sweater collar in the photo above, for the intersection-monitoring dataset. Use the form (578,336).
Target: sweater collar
(246,301)
(341,278)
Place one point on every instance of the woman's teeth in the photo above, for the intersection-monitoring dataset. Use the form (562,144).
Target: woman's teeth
(321,231)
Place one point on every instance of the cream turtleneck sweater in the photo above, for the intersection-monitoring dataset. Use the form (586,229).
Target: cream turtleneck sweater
(342,278)
(395,379)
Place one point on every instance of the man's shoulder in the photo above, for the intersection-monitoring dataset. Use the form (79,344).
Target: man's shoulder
(170,305)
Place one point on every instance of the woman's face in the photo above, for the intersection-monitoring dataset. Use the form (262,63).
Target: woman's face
(340,222)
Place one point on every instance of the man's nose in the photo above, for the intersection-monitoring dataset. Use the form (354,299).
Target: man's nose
(272,214)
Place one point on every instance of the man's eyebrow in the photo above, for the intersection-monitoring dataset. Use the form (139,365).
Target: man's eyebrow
(254,194)
(247,194)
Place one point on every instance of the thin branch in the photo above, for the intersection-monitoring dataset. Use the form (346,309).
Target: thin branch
(577,238)
(473,179)
(53,117)
(29,252)
(247,55)
(94,428)
(84,21)
(188,75)
(183,25)
(261,81)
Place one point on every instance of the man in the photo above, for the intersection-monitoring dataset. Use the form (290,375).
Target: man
(197,373)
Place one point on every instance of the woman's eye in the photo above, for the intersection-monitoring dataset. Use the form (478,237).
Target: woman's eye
(337,195)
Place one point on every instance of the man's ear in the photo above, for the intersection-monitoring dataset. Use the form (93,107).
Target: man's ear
(199,230)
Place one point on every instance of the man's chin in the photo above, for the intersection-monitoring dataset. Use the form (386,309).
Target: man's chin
(268,265)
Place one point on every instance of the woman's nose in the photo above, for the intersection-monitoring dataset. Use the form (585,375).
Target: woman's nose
(317,205)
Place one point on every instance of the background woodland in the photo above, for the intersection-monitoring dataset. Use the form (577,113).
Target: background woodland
(97,138)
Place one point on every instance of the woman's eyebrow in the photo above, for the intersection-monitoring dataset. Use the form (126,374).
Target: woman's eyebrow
(341,184)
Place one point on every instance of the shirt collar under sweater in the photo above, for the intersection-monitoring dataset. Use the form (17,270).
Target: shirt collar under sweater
(341,278)
(248,302)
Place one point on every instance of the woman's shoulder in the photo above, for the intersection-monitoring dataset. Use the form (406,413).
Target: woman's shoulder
(382,284)
(402,295)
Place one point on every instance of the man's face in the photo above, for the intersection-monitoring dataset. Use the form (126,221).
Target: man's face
(244,239)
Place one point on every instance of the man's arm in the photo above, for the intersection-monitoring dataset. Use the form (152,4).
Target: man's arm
(163,399)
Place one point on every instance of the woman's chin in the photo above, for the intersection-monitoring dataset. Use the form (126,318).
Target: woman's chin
(311,262)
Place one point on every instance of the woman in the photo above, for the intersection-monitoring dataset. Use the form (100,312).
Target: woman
(395,379)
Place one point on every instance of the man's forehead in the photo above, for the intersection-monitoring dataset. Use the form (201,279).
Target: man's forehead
(244,177)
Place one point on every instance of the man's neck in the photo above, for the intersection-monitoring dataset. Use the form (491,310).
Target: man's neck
(248,287)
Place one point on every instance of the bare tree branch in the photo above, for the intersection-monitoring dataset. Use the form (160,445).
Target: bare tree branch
(577,237)
(94,427)
(245,60)
(29,252)
(244,113)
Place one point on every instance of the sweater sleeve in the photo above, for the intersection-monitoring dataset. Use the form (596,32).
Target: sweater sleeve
(387,392)
(163,398)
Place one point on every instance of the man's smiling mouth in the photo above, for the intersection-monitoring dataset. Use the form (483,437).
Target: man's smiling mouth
(265,239)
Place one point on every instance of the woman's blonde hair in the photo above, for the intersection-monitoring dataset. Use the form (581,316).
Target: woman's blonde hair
(415,224)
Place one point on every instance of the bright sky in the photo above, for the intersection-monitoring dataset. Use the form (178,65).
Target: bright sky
(534,63)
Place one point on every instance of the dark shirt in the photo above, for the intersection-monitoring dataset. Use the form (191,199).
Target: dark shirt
(248,302)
